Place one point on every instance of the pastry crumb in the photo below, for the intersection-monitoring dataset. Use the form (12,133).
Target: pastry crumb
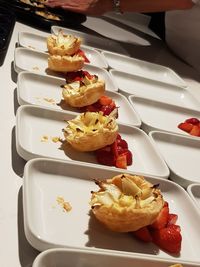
(44,138)
(36,68)
(64,204)
(55,139)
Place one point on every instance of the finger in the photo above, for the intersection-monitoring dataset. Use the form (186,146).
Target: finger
(74,9)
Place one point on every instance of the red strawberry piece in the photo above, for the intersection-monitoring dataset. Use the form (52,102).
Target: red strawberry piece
(129,157)
(105,157)
(121,162)
(195,131)
(105,100)
(106,110)
(162,219)
(172,219)
(168,239)
(122,143)
(82,54)
(185,126)
(143,234)
(193,121)
(166,204)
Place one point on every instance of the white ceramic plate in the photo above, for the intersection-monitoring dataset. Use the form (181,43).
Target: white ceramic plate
(156,115)
(33,123)
(93,41)
(39,43)
(181,153)
(143,69)
(129,84)
(27,59)
(46,91)
(33,61)
(66,257)
(48,226)
(194,191)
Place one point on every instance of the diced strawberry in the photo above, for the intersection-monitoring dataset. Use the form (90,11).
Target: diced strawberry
(185,126)
(166,204)
(172,219)
(143,234)
(193,121)
(129,157)
(82,54)
(195,131)
(121,162)
(168,238)
(162,219)
(122,143)
(114,149)
(105,100)
(105,157)
(106,110)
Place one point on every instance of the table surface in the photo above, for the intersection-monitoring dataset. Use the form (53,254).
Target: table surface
(141,43)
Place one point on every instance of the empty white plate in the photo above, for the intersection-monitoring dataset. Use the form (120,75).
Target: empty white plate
(46,91)
(37,127)
(181,153)
(93,41)
(157,115)
(130,84)
(194,191)
(67,257)
(143,69)
(32,60)
(48,226)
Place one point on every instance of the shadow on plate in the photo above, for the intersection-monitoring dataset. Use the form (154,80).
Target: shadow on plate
(27,253)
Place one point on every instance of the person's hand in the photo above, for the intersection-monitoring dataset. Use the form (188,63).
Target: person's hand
(88,7)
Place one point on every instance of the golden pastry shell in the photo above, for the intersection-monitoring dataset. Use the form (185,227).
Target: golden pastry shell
(65,63)
(128,218)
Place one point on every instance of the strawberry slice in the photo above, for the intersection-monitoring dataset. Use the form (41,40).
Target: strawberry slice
(143,234)
(162,219)
(172,219)
(185,126)
(82,54)
(105,157)
(168,239)
(105,100)
(121,161)
(195,131)
(192,121)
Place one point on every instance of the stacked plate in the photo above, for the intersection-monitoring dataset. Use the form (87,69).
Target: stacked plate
(154,93)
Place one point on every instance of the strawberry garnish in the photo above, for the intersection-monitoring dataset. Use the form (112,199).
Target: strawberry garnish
(82,54)
(185,126)
(162,219)
(168,238)
(191,126)
(143,234)
(172,219)
(117,154)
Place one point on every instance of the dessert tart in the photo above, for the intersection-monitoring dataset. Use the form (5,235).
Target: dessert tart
(126,203)
(84,90)
(63,44)
(90,131)
(65,63)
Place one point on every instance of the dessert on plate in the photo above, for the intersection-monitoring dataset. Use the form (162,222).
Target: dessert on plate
(82,89)
(64,53)
(90,131)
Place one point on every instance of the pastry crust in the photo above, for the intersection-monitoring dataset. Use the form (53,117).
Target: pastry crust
(65,63)
(126,203)
(80,94)
(91,131)
(63,44)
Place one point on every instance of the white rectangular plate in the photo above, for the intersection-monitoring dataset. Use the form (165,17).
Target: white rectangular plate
(46,91)
(143,69)
(33,61)
(39,43)
(156,115)
(48,226)
(67,257)
(93,41)
(194,191)
(27,59)
(33,123)
(181,153)
(129,84)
